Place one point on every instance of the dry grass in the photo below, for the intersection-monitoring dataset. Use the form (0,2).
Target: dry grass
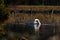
(21,17)
(39,7)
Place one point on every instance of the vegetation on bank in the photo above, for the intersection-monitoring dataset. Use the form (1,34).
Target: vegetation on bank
(4,13)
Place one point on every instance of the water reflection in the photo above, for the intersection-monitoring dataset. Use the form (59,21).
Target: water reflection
(19,32)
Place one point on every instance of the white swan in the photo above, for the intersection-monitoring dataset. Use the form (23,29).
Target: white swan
(37,21)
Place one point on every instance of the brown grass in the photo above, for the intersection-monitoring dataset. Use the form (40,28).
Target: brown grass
(20,17)
(39,7)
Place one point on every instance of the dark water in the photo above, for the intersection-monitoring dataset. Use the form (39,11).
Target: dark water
(18,31)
